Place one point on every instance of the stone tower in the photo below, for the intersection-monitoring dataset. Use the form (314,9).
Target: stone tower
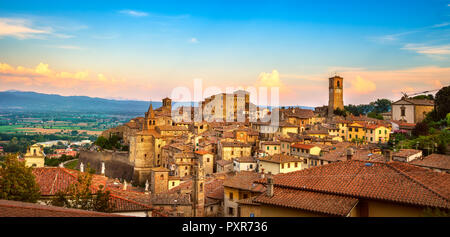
(159,180)
(336,94)
(167,104)
(150,120)
(198,190)
(142,155)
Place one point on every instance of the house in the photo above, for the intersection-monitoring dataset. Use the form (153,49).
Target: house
(206,158)
(230,150)
(411,110)
(407,155)
(237,187)
(377,133)
(246,163)
(279,163)
(124,199)
(352,188)
(304,150)
(270,147)
(435,162)
(224,166)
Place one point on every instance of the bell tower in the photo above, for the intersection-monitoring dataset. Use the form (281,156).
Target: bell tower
(150,121)
(198,191)
(336,94)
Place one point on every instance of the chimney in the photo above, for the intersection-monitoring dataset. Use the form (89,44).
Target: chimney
(388,155)
(124,185)
(350,153)
(269,186)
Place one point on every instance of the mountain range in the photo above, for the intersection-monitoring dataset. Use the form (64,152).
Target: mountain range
(14,100)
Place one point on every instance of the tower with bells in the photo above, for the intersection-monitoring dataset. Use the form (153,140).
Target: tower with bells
(150,120)
(336,94)
(198,190)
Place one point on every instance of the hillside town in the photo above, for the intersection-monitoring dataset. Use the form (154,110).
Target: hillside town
(312,163)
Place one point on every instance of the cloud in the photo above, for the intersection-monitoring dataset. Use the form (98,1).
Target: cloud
(20,28)
(133,13)
(70,47)
(362,86)
(270,79)
(428,50)
(44,79)
(193,40)
(441,25)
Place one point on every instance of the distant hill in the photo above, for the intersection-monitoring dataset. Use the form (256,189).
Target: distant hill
(33,101)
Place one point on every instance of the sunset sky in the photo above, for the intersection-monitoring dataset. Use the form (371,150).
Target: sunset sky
(143,49)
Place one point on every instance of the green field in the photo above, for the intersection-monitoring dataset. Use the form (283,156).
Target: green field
(71,164)
(10,128)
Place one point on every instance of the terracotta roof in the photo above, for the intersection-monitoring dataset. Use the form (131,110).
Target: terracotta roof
(270,143)
(279,158)
(245,159)
(437,161)
(54,179)
(244,180)
(202,152)
(303,146)
(385,181)
(298,113)
(311,201)
(235,144)
(224,162)
(406,152)
(160,169)
(23,209)
(417,101)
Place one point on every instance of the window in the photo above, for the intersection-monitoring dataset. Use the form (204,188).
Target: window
(251,166)
(282,166)
(379,131)
(231,196)
(289,165)
(201,187)
(267,148)
(296,164)
(230,211)
(173,183)
(402,110)
(245,196)
(207,159)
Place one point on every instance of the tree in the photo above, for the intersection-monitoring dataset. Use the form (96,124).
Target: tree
(421,129)
(80,196)
(382,105)
(442,102)
(17,181)
(375,115)
(340,112)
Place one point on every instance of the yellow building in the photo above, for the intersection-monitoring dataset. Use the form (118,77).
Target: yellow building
(173,182)
(34,157)
(356,132)
(377,134)
(230,150)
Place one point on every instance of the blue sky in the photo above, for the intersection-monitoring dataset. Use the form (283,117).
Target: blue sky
(154,46)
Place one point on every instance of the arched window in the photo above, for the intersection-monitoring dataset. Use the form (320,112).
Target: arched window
(338,84)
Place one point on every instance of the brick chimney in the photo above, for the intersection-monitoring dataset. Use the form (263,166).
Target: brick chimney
(350,153)
(269,191)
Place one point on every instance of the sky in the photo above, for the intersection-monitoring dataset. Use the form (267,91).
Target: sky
(142,50)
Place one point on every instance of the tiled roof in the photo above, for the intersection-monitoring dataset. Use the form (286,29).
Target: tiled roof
(23,209)
(279,158)
(311,201)
(223,162)
(417,101)
(298,113)
(245,159)
(302,146)
(244,180)
(406,152)
(385,181)
(54,179)
(235,144)
(434,161)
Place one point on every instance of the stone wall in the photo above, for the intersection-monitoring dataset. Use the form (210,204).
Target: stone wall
(117,164)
